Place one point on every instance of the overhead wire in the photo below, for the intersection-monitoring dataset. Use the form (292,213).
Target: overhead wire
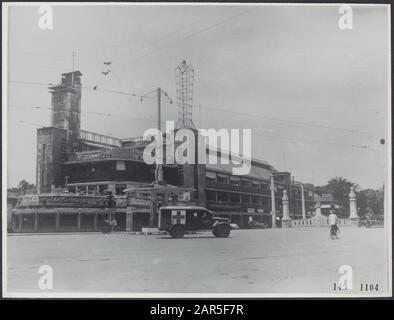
(253,134)
(245,114)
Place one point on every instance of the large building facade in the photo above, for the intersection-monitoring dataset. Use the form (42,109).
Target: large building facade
(87,164)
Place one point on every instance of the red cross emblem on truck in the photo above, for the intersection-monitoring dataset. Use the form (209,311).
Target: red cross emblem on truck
(178,216)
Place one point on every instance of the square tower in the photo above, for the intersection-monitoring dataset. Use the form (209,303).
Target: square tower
(66,108)
(51,153)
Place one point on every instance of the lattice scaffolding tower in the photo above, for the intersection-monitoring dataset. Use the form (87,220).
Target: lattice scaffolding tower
(184,79)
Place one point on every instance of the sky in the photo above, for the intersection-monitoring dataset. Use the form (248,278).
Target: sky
(289,73)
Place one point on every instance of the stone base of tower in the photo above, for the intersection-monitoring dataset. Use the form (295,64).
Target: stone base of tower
(354,221)
(286,223)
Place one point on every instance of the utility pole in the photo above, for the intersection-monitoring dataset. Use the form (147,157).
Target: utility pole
(159,108)
(292,196)
(160,95)
(199,115)
(296,183)
(273,206)
(303,202)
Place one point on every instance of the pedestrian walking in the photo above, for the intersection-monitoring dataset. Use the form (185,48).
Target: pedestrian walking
(114,224)
(333,222)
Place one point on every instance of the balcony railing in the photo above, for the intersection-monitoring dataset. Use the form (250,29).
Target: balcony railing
(99,138)
(236,207)
(133,139)
(116,154)
(230,187)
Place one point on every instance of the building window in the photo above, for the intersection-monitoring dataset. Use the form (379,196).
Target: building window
(72,189)
(211,196)
(245,183)
(119,189)
(81,189)
(255,184)
(245,198)
(210,176)
(222,197)
(235,181)
(222,178)
(120,166)
(92,189)
(43,152)
(143,195)
(255,200)
(235,197)
(265,186)
(42,178)
(103,187)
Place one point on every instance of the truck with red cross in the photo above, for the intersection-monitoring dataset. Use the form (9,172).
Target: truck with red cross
(177,220)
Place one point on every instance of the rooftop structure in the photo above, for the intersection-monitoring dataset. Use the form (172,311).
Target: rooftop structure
(184,78)
(91,164)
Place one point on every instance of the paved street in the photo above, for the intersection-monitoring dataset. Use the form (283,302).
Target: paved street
(293,260)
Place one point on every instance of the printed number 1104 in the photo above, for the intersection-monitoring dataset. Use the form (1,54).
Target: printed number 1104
(369,287)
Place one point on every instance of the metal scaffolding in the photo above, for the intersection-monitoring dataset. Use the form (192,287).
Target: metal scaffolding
(184,78)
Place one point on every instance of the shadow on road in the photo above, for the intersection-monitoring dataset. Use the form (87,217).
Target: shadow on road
(186,238)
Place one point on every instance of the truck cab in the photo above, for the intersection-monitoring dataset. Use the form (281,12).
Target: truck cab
(178,219)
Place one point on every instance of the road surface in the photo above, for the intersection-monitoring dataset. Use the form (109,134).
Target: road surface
(271,261)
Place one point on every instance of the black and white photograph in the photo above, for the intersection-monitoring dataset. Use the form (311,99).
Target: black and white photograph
(196,150)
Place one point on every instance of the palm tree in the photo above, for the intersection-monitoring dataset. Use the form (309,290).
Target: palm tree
(340,188)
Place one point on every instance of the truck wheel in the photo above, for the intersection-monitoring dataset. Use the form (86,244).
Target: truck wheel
(222,231)
(177,231)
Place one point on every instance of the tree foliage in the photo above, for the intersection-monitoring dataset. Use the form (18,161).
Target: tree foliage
(340,188)
(23,188)
(369,201)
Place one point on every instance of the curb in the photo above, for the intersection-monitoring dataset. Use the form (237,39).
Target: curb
(138,233)
(83,233)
